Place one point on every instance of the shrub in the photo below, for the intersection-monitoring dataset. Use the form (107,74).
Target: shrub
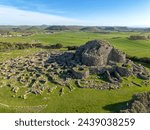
(135,58)
(72,47)
(138,37)
(59,45)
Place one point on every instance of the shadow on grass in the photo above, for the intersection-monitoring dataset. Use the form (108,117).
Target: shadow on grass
(144,64)
(115,108)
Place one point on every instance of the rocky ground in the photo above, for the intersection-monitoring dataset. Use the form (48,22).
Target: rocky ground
(34,72)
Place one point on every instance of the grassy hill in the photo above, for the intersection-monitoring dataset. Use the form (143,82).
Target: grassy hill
(91,29)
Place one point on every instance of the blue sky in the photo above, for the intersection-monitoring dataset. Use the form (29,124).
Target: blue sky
(75,12)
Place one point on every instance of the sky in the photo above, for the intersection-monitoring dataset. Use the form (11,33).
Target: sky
(75,12)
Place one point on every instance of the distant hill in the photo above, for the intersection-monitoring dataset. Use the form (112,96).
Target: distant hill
(57,28)
(116,28)
(46,28)
(105,29)
(35,29)
(109,28)
(91,29)
(147,30)
(122,29)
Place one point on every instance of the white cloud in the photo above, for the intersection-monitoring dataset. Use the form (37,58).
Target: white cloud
(14,16)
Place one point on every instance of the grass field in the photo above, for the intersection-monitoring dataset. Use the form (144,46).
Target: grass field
(80,100)
(120,40)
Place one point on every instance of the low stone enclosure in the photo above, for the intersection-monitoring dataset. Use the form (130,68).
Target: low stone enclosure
(57,70)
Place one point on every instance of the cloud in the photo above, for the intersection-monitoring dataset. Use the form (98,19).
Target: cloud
(14,16)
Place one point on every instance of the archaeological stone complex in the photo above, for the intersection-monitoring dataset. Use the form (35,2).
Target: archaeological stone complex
(55,69)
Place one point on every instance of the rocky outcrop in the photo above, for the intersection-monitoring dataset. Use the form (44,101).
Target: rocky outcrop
(140,103)
(98,53)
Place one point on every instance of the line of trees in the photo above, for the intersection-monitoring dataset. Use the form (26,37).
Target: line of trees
(4,46)
(138,59)
(139,37)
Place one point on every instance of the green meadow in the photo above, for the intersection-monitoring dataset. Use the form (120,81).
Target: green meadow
(120,40)
(80,100)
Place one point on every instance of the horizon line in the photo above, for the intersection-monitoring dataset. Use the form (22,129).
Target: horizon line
(134,26)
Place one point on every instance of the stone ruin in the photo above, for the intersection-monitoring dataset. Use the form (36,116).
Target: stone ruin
(38,71)
(35,73)
(139,104)
(99,53)
(110,63)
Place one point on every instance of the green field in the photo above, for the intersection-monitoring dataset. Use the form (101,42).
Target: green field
(120,40)
(80,100)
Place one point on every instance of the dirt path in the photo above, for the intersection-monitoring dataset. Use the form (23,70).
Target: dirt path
(5,105)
